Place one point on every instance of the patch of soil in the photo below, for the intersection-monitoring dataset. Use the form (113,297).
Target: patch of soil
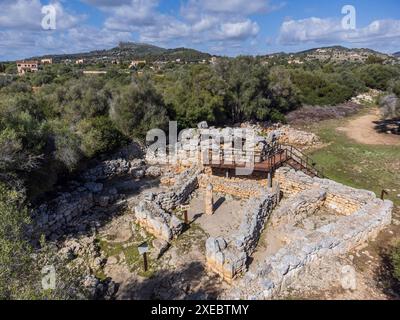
(362,130)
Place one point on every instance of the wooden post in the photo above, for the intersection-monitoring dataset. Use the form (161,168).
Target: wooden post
(185,216)
(145,262)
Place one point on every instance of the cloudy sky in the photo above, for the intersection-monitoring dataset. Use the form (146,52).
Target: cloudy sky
(223,27)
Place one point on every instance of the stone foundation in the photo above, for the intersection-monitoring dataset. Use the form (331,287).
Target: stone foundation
(240,188)
(360,217)
(158,222)
(153,212)
(228,257)
(344,200)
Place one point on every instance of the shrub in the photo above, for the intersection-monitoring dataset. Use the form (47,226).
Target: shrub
(98,135)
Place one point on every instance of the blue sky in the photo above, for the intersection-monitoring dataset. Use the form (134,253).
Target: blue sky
(223,27)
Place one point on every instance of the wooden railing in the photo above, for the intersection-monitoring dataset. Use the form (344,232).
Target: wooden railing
(303,160)
(275,157)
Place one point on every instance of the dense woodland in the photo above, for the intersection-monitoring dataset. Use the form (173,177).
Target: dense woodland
(54,120)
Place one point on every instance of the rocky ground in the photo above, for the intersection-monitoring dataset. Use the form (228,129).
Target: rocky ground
(364,274)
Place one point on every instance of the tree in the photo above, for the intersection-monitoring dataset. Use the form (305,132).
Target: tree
(138,109)
(195,94)
(15,252)
(98,135)
(377,76)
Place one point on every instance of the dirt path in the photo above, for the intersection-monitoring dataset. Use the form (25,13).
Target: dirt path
(362,130)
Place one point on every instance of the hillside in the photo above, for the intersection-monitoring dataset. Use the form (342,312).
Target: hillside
(334,54)
(397,54)
(134,51)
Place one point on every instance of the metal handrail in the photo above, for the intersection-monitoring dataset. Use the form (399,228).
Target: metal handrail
(308,161)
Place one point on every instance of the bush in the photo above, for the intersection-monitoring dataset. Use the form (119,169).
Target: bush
(395,257)
(138,109)
(15,257)
(98,135)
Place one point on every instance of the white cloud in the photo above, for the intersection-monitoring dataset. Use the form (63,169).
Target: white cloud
(19,44)
(198,22)
(239,30)
(330,31)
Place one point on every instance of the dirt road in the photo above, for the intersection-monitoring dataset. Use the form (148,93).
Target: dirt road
(362,130)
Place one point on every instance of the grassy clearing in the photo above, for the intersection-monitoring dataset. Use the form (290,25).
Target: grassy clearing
(371,167)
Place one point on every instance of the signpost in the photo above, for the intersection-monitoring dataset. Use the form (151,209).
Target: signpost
(185,209)
(143,249)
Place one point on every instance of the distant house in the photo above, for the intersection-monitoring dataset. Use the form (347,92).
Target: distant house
(30,66)
(213,60)
(94,72)
(136,63)
(80,61)
(46,61)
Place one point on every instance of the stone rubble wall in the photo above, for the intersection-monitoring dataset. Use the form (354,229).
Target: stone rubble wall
(185,184)
(342,199)
(233,186)
(152,213)
(348,232)
(114,168)
(299,207)
(290,136)
(157,222)
(228,257)
(51,217)
(192,150)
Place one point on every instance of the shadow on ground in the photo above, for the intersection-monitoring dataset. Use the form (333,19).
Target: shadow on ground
(385,126)
(190,282)
(384,276)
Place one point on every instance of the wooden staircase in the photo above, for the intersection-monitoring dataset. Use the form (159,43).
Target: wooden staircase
(273,158)
(300,161)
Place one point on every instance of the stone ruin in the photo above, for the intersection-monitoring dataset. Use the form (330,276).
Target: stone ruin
(154,212)
(356,217)
(312,218)
(315,217)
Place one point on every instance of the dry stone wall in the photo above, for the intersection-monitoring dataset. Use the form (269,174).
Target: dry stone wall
(52,217)
(304,204)
(342,199)
(153,212)
(228,257)
(236,187)
(348,231)
(156,221)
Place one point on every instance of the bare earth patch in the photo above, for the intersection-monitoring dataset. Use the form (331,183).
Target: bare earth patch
(362,130)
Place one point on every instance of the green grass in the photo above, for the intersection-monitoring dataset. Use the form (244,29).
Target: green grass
(130,250)
(370,167)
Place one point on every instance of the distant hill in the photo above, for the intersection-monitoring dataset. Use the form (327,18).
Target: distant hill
(397,54)
(334,54)
(134,51)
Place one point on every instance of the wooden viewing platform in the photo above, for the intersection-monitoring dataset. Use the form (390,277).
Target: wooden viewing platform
(269,162)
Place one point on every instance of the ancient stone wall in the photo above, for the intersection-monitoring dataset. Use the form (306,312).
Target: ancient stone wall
(228,257)
(344,200)
(153,212)
(236,187)
(51,217)
(295,209)
(348,231)
(185,184)
(156,221)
